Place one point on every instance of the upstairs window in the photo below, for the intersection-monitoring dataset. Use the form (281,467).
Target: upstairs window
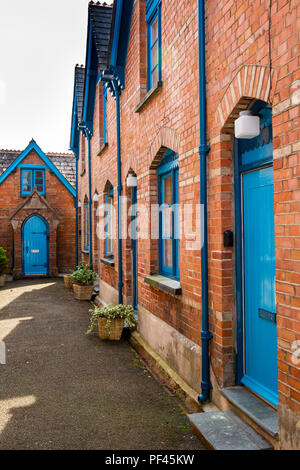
(154,42)
(168,216)
(32,178)
(86,228)
(109,223)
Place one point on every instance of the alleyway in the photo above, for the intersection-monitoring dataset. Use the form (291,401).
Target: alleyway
(62,389)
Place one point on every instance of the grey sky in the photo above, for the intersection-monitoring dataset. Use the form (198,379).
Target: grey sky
(40,43)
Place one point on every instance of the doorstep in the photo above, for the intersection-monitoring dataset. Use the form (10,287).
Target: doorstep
(246,423)
(223,430)
(254,408)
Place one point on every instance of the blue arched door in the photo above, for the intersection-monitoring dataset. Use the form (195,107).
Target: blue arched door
(256,303)
(35,247)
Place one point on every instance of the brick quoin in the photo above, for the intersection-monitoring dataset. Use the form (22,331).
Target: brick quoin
(239,37)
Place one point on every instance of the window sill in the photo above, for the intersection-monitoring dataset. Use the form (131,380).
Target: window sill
(165,284)
(102,148)
(108,262)
(85,252)
(151,93)
(24,196)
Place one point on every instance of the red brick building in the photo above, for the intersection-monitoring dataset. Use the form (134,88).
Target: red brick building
(37,211)
(136,113)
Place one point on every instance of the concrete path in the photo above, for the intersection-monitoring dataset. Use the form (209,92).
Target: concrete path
(61,389)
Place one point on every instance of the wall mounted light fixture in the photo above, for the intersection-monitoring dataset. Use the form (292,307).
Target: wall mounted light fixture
(247,126)
(131,181)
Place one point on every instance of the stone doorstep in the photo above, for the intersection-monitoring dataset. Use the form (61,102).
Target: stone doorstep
(220,430)
(256,410)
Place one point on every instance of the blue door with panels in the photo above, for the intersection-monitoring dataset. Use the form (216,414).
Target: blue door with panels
(35,247)
(257,316)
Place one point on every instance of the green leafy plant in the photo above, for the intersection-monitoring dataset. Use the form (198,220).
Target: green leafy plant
(112,312)
(3,260)
(84,275)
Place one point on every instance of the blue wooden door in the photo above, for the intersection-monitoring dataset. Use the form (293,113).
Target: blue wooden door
(260,361)
(35,246)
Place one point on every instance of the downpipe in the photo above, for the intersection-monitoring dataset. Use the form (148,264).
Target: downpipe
(76,211)
(206,335)
(88,135)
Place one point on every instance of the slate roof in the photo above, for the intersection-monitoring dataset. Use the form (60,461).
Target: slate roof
(101,18)
(79,81)
(64,162)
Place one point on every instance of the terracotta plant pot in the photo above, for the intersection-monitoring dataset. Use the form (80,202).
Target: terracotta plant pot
(2,280)
(82,292)
(68,281)
(114,332)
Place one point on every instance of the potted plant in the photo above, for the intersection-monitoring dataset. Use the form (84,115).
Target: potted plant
(68,279)
(111,319)
(3,266)
(83,279)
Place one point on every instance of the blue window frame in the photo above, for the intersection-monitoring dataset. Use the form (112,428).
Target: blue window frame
(154,42)
(104,115)
(168,216)
(109,223)
(86,228)
(32,178)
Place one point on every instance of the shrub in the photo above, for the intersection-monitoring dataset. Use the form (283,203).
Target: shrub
(84,275)
(111,312)
(3,260)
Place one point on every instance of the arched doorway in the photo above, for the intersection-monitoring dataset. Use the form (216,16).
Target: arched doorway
(35,246)
(255,260)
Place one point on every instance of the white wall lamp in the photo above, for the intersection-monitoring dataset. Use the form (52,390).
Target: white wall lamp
(96,197)
(131,181)
(247,126)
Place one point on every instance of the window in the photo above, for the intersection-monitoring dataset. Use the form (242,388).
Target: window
(154,42)
(109,223)
(168,216)
(32,178)
(86,228)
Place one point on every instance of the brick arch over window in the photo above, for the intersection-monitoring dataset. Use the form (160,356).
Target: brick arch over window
(130,166)
(166,139)
(252,82)
(108,178)
(107,186)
